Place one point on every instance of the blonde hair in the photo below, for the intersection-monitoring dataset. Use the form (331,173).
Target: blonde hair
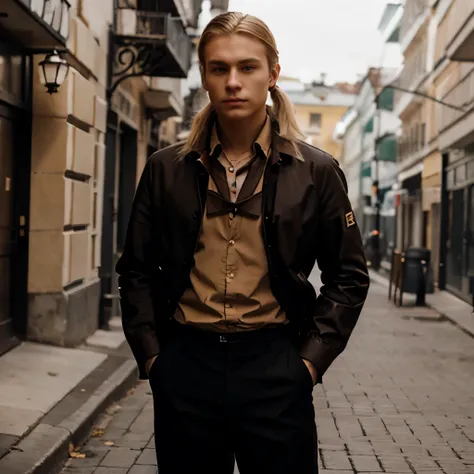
(282,109)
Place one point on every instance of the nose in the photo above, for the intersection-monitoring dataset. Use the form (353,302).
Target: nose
(233,80)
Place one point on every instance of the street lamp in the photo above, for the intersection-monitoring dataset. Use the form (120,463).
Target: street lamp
(53,71)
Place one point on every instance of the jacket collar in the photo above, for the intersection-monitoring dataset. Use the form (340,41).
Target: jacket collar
(281,149)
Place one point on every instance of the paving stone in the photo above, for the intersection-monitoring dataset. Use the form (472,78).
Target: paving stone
(335,460)
(78,470)
(399,400)
(134,440)
(120,457)
(394,464)
(151,444)
(111,470)
(143,470)
(325,471)
(92,459)
(366,463)
(148,456)
(6,442)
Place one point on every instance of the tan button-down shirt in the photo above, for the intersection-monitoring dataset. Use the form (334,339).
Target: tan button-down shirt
(230,288)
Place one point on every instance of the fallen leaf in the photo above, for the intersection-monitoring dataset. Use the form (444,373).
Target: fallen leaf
(109,443)
(74,453)
(97,433)
(53,374)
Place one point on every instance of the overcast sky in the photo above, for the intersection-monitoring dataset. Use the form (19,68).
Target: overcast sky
(338,37)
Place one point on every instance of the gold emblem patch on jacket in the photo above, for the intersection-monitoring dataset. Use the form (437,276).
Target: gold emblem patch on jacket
(350,219)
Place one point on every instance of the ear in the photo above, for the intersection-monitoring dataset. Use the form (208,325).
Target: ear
(274,75)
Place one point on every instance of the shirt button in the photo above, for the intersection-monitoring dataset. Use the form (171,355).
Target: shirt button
(228,305)
(232,242)
(231,169)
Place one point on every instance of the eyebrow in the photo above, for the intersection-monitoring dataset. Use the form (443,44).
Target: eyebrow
(217,62)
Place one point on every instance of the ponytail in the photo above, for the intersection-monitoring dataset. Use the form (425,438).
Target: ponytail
(284,113)
(198,134)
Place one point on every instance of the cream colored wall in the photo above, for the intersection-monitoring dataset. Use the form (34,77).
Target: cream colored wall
(330,116)
(69,137)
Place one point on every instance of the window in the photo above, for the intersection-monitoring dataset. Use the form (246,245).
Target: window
(423,134)
(315,121)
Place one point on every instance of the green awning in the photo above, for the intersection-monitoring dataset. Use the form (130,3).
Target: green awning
(369,126)
(366,169)
(387,149)
(385,99)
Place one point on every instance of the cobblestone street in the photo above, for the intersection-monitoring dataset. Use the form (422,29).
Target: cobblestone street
(400,400)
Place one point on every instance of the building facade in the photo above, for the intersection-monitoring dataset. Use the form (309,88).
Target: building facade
(434,99)
(453,83)
(369,137)
(319,107)
(51,197)
(70,161)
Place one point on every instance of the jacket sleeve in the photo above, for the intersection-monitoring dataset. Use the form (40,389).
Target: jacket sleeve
(344,272)
(138,278)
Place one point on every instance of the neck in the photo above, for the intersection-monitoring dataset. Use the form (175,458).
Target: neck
(237,136)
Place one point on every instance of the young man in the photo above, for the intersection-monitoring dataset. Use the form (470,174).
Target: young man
(224,232)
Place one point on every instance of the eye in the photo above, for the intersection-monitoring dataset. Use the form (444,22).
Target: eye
(248,68)
(218,69)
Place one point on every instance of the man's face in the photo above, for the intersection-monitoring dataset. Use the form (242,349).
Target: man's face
(237,76)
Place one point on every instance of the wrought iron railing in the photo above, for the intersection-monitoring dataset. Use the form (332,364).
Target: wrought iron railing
(152,26)
(54,13)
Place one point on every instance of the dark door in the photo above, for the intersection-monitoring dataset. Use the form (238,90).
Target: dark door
(455,242)
(8,235)
(109,217)
(127,181)
(470,234)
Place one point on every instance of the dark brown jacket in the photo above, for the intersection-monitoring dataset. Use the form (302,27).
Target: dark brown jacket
(307,217)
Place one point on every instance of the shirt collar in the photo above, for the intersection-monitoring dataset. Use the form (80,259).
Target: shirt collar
(268,138)
(263,141)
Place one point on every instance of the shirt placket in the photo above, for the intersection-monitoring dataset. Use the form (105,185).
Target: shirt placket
(231,268)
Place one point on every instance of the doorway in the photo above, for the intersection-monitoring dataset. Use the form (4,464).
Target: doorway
(109,219)
(13,229)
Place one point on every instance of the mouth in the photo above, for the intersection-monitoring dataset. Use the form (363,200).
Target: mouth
(234,101)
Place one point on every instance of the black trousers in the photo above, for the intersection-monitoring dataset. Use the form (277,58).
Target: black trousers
(242,397)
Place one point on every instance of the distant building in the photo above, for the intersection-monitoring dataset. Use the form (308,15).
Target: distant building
(369,140)
(319,107)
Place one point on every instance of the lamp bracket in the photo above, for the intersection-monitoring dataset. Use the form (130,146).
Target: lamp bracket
(132,60)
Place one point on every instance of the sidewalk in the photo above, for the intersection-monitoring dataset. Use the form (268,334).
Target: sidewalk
(50,395)
(452,308)
(399,400)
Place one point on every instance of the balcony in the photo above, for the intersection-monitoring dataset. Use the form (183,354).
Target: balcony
(163,98)
(415,14)
(413,73)
(461,26)
(455,126)
(151,44)
(37,24)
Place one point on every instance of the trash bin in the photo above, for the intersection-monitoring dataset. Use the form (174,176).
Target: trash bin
(416,267)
